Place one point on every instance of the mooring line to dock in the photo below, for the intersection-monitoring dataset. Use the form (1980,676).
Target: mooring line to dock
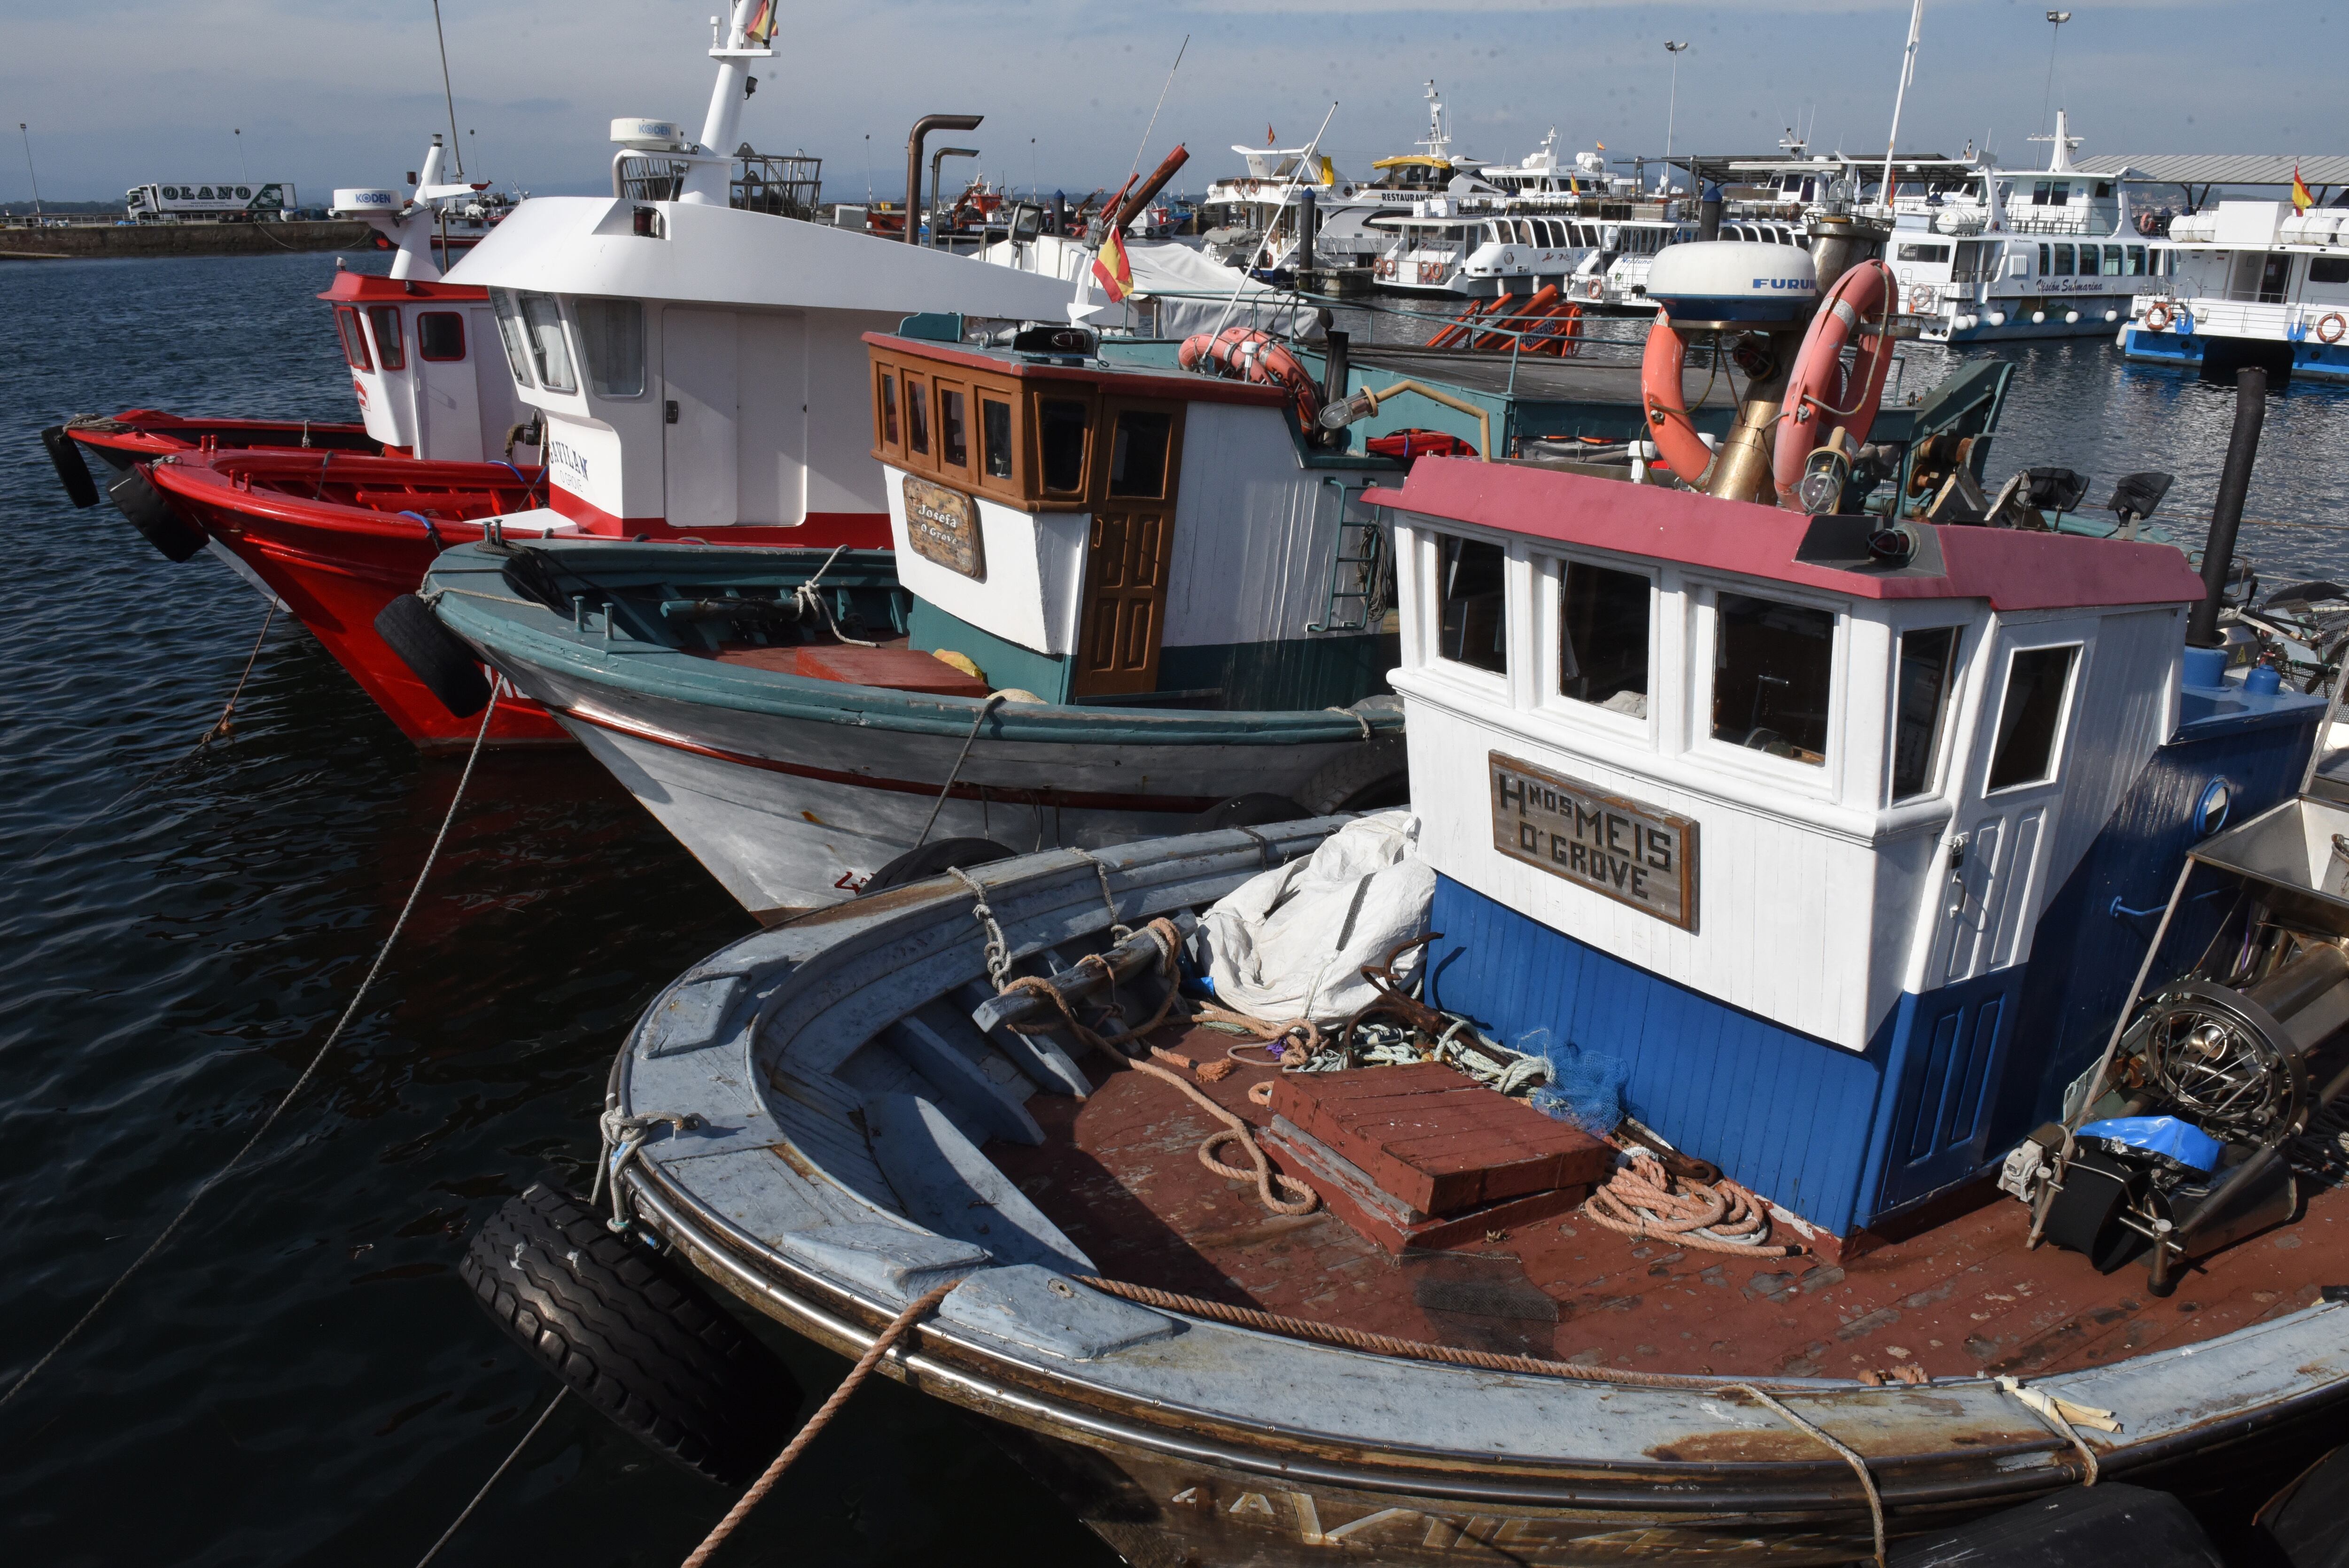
(301,1083)
(219,728)
(807,1434)
(459,1522)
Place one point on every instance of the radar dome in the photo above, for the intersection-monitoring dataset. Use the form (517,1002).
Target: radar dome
(1734,280)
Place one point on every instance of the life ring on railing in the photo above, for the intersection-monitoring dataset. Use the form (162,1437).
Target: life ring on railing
(1597,287)
(1820,397)
(1920,299)
(2330,328)
(1669,425)
(1248,353)
(2156,317)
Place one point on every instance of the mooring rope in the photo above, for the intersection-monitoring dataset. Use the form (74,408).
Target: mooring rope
(807,1434)
(507,1463)
(1645,1203)
(219,728)
(299,1083)
(1850,1456)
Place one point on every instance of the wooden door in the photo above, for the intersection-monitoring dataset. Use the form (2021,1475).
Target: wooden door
(1122,616)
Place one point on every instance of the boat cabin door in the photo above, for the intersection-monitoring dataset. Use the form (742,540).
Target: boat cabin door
(2008,780)
(1122,609)
(701,407)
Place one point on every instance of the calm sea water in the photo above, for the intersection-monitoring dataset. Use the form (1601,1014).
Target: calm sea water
(300,1378)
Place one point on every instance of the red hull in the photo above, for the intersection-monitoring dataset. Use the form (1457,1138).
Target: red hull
(331,536)
(142,435)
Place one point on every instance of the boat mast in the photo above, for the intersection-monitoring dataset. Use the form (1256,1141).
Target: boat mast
(1907,73)
(709,175)
(456,147)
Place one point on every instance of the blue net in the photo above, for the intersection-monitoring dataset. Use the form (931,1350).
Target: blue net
(1586,1088)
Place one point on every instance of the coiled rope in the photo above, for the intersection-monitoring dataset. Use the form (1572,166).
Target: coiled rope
(1643,1202)
(807,1434)
(300,1083)
(1301,1199)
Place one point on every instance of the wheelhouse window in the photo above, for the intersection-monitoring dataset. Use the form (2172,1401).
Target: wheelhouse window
(953,429)
(2031,716)
(440,335)
(2135,261)
(917,416)
(1771,665)
(2112,262)
(1137,459)
(1921,707)
(2328,269)
(888,409)
(2062,268)
(355,348)
(513,334)
(611,341)
(1472,591)
(390,351)
(1061,426)
(994,437)
(550,351)
(1602,644)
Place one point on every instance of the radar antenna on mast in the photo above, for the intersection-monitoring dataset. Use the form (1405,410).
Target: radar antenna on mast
(456,142)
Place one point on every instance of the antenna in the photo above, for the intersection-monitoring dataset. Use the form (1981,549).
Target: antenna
(456,142)
(1908,71)
(2055,31)
(1671,108)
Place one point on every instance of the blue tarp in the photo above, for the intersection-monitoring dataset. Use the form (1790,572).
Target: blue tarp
(2164,1135)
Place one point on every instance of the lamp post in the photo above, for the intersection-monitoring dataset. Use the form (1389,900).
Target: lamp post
(1672,106)
(2055,31)
(242,168)
(29,169)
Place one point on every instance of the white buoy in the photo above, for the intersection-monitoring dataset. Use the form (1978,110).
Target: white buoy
(2038,317)
(2112,315)
(1998,319)
(2070,319)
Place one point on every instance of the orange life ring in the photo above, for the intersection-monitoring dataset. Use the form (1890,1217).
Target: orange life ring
(1597,287)
(2156,317)
(1246,354)
(1669,425)
(1920,299)
(1820,398)
(2329,329)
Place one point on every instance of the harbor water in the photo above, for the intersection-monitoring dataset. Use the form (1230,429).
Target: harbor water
(299,1376)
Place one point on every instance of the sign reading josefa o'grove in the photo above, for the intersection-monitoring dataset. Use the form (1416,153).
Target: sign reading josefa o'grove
(1632,854)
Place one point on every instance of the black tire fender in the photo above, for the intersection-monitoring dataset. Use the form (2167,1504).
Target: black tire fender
(936,858)
(73,470)
(151,511)
(630,1331)
(1364,778)
(434,654)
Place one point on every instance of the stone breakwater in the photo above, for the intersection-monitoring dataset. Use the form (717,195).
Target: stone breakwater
(87,241)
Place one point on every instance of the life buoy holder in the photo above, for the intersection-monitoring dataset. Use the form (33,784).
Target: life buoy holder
(1669,426)
(1820,397)
(1248,354)
(2156,317)
(2330,329)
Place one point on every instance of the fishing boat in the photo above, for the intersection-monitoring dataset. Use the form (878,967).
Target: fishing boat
(1844,882)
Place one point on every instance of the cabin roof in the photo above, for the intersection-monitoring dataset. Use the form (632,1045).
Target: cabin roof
(1124,380)
(2012,570)
(365,288)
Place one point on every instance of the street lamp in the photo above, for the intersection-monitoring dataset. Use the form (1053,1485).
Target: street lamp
(2055,31)
(28,169)
(243,166)
(1671,108)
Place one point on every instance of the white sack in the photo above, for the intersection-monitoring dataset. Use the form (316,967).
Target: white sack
(1290,943)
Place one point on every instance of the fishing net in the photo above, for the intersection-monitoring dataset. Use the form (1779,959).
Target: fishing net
(1584,1088)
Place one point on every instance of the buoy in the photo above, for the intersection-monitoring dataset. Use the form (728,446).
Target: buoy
(2070,317)
(2156,317)
(2038,317)
(1998,319)
(1669,426)
(631,1332)
(434,654)
(151,511)
(2330,328)
(2111,316)
(1820,398)
(1248,353)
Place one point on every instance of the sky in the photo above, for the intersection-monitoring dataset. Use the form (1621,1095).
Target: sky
(348,95)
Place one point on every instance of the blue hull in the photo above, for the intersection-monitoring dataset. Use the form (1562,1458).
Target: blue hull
(2311,360)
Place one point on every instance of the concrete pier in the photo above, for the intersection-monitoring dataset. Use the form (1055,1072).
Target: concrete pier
(65,242)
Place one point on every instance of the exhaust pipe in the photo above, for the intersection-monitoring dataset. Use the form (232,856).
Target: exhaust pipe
(922,128)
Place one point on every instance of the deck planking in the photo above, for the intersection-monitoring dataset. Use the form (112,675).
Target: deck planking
(1119,1173)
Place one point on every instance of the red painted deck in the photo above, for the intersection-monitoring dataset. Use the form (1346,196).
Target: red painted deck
(1120,1172)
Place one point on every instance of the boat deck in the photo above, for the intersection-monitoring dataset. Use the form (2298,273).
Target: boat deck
(1119,1173)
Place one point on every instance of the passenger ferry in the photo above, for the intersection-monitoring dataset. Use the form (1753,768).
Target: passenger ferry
(2250,282)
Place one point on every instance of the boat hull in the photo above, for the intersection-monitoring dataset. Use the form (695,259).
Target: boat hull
(1198,1441)
(2310,359)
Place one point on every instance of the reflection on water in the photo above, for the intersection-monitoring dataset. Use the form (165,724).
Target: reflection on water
(300,1378)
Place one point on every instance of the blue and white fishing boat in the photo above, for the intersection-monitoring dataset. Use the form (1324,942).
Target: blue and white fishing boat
(1870,865)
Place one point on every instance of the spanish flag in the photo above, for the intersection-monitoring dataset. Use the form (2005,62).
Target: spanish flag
(1111,268)
(762,27)
(2301,199)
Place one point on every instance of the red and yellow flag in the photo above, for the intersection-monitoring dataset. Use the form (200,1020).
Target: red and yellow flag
(1112,269)
(762,27)
(2301,199)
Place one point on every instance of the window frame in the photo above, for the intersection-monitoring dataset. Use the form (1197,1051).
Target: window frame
(391,354)
(513,336)
(1548,576)
(1493,684)
(941,388)
(534,344)
(354,336)
(1822,779)
(1952,705)
(2060,737)
(464,337)
(585,368)
(1011,482)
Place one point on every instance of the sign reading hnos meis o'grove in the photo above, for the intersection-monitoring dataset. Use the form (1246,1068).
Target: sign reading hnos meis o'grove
(1632,854)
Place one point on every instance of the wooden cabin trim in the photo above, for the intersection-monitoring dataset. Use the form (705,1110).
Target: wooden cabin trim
(1092,373)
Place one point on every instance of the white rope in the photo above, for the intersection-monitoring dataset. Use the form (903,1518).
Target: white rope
(299,1083)
(1850,1457)
(2060,1414)
(809,599)
(999,951)
(963,756)
(459,1523)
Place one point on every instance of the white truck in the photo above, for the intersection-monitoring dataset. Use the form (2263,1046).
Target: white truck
(223,201)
